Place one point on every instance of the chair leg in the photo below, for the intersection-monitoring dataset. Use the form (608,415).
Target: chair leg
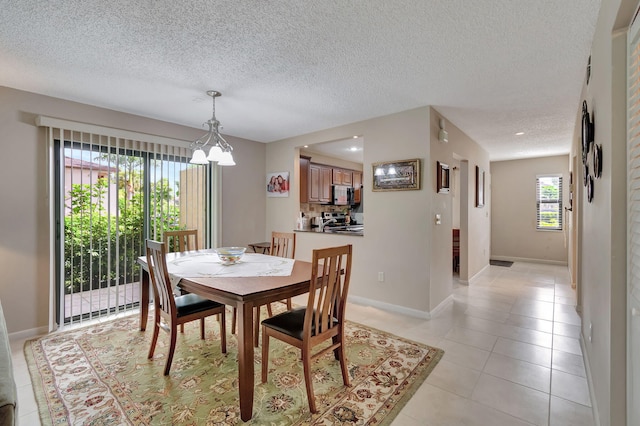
(182,328)
(269,310)
(202,328)
(154,339)
(343,364)
(223,332)
(233,320)
(289,304)
(172,348)
(306,362)
(265,354)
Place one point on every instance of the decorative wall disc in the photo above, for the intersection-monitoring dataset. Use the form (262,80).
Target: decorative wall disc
(596,154)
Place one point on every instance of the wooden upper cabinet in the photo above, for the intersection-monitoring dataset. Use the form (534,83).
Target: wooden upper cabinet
(347,177)
(316,181)
(319,183)
(357,186)
(342,177)
(304,178)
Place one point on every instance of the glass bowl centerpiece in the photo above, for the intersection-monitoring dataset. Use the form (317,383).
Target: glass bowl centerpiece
(230,255)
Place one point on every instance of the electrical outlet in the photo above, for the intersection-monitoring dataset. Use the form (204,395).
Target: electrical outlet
(381,276)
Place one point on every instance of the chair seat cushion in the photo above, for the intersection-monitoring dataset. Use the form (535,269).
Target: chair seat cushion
(192,303)
(291,322)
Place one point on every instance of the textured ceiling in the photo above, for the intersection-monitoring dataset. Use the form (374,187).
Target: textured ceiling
(289,67)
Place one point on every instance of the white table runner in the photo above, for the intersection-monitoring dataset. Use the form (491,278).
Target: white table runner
(209,265)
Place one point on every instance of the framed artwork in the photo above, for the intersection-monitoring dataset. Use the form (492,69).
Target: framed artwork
(442,178)
(398,175)
(479,187)
(278,184)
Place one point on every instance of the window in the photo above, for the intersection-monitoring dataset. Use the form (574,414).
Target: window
(549,202)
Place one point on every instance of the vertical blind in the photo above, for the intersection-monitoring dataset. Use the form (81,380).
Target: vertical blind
(633,219)
(633,159)
(112,193)
(549,202)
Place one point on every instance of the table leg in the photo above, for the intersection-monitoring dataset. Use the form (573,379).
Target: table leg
(144,299)
(245,359)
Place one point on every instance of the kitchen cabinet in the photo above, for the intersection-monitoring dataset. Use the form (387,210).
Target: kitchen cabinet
(342,177)
(304,178)
(320,180)
(357,187)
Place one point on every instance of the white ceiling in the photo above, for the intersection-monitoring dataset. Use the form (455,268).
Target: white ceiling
(289,67)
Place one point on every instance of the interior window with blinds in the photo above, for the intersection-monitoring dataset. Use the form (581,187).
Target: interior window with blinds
(549,202)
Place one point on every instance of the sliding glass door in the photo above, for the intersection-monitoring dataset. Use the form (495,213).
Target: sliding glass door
(112,195)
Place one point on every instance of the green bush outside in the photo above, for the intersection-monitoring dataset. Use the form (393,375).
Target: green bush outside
(100,249)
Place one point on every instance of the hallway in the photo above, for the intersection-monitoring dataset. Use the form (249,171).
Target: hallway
(512,352)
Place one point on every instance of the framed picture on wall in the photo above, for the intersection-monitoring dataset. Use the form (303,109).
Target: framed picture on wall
(398,175)
(442,178)
(278,184)
(479,187)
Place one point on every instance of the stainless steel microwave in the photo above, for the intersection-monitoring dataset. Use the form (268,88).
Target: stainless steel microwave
(342,195)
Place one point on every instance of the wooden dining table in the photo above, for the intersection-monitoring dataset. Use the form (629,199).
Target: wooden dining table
(243,293)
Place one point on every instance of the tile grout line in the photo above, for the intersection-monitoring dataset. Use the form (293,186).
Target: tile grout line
(553,329)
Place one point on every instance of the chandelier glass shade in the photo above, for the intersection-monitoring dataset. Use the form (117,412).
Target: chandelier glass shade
(219,148)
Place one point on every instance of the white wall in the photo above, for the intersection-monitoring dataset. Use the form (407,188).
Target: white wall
(602,223)
(400,238)
(396,229)
(513,204)
(24,220)
(474,223)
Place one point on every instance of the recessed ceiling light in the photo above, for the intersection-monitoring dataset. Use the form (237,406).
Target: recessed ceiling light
(353,148)
(519,133)
(355,137)
(306,146)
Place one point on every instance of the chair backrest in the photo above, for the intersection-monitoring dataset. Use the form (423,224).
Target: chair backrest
(162,288)
(328,289)
(283,244)
(456,242)
(183,240)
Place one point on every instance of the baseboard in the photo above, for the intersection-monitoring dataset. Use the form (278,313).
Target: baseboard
(477,274)
(441,306)
(587,368)
(530,260)
(28,334)
(392,308)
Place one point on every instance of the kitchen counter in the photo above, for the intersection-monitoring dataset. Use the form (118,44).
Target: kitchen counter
(356,230)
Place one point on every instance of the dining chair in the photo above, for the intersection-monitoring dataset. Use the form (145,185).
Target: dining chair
(455,245)
(176,310)
(181,240)
(322,319)
(283,244)
(178,241)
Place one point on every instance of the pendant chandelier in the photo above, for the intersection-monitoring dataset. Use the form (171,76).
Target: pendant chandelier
(220,151)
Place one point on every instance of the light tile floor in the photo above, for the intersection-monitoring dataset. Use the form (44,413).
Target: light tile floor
(512,354)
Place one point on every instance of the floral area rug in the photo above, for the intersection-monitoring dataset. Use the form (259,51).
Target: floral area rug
(100,375)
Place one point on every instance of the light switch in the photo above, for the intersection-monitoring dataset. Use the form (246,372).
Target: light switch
(438,219)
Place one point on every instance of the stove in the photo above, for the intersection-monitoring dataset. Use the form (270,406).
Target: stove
(339,218)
